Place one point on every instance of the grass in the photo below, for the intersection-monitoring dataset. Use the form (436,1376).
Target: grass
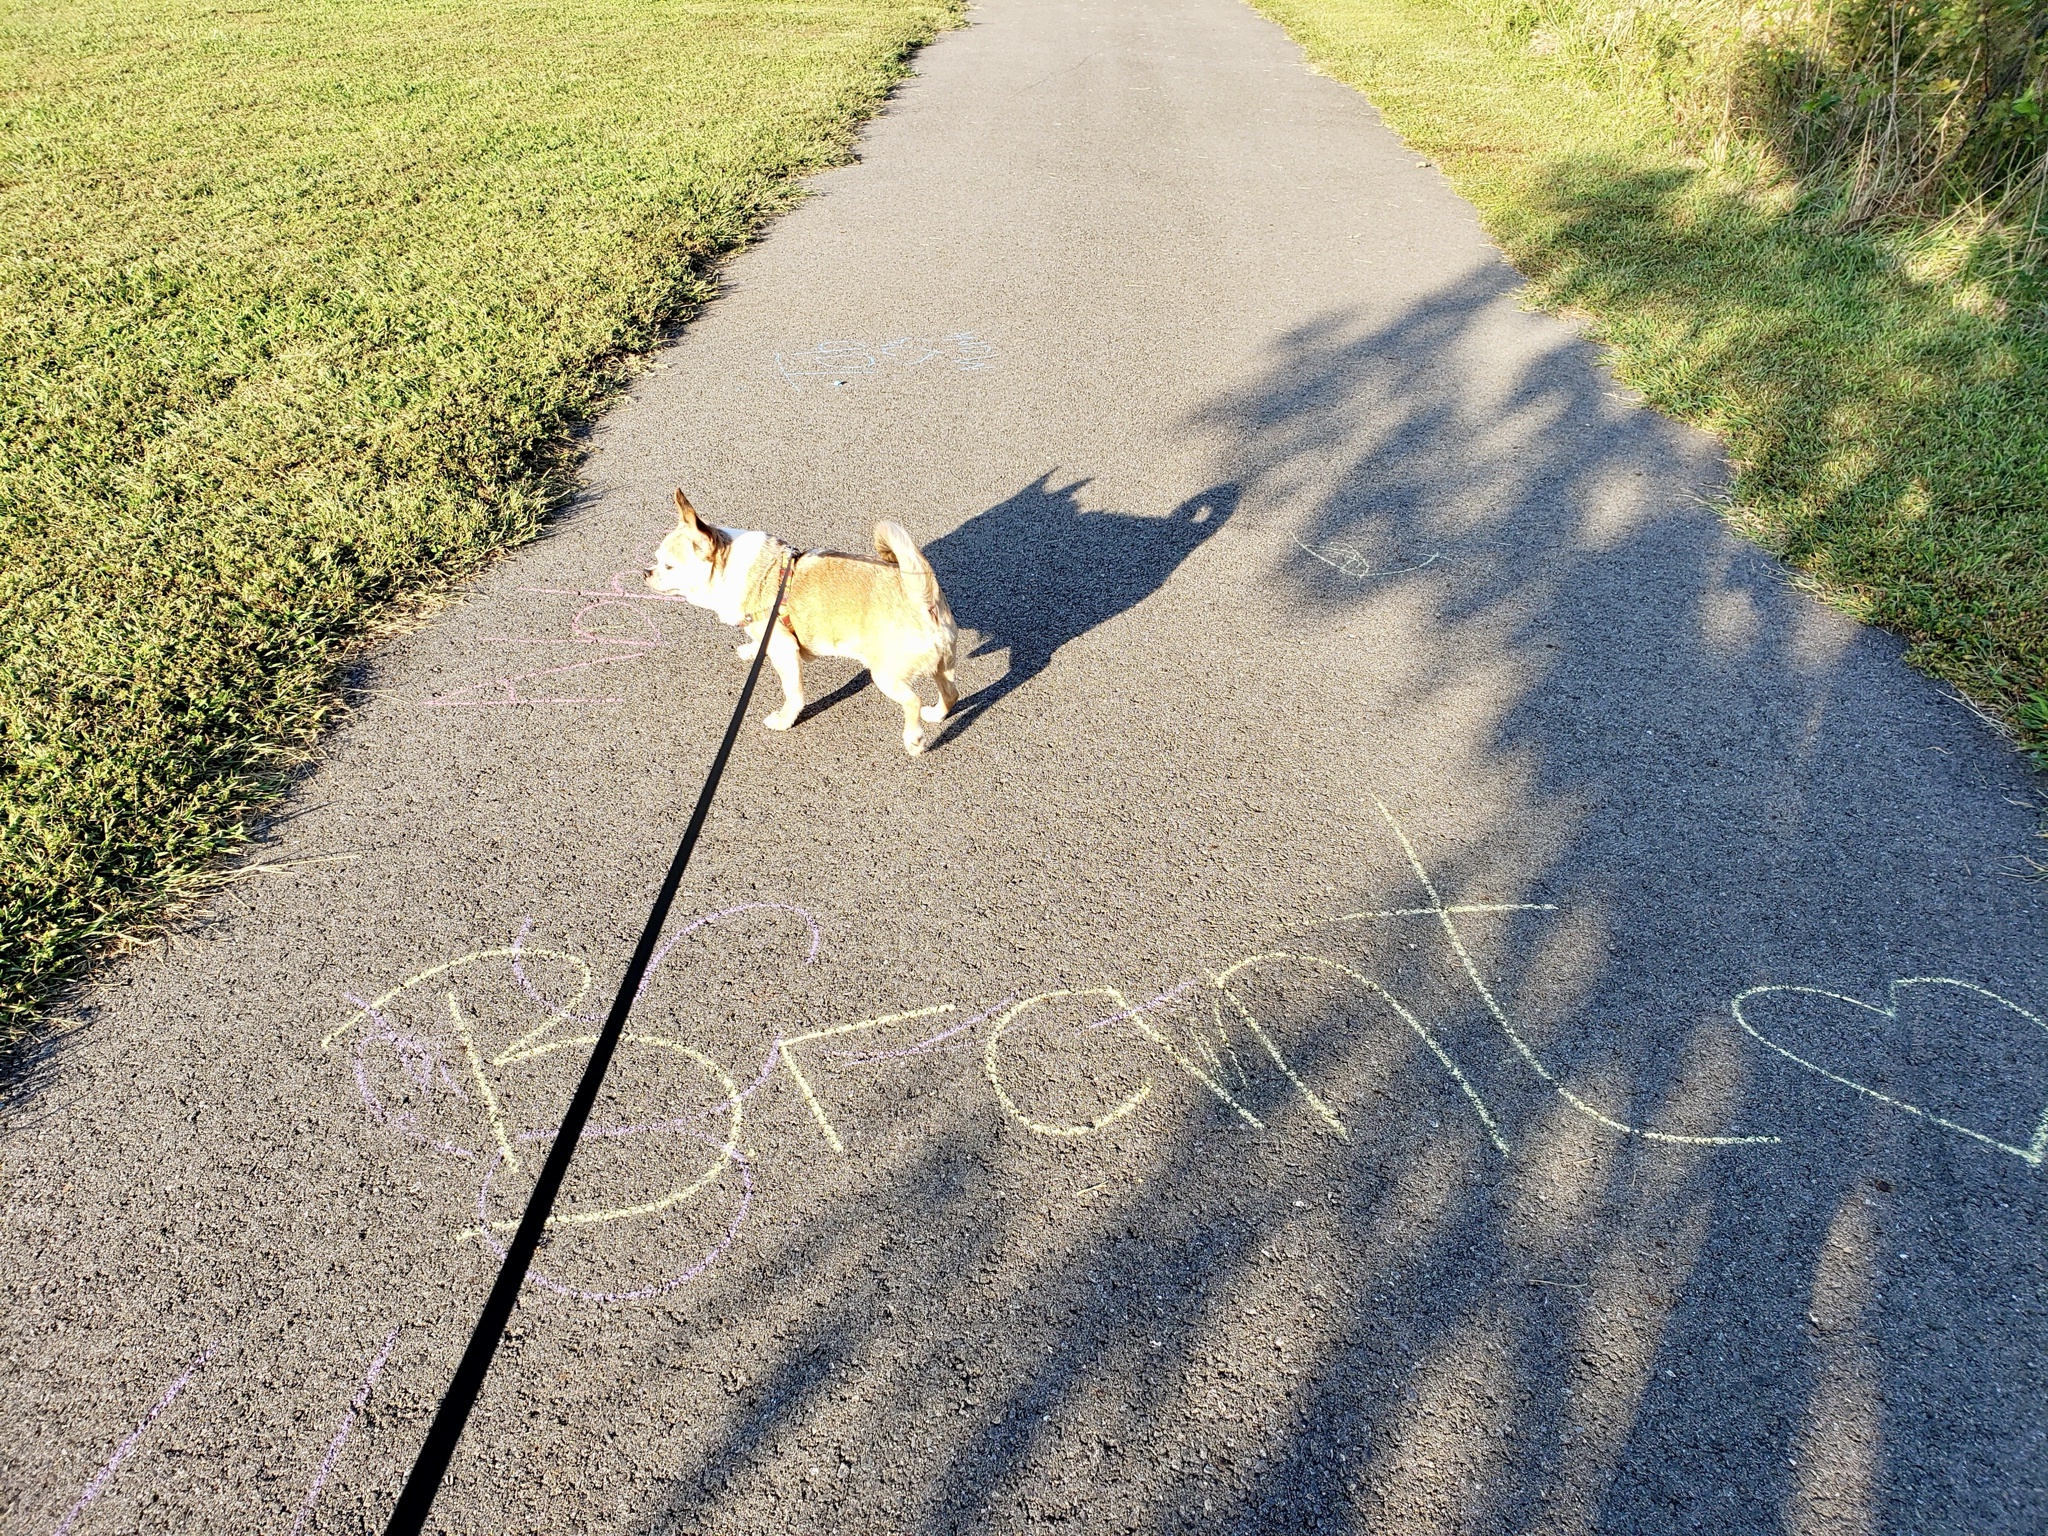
(1886,411)
(299,301)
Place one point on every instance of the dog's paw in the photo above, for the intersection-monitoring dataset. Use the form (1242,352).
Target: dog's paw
(933,712)
(748,651)
(913,742)
(782,719)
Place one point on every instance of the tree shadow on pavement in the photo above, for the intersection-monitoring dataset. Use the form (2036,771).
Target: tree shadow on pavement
(1719,785)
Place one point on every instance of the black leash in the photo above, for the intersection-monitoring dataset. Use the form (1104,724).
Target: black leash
(417,1497)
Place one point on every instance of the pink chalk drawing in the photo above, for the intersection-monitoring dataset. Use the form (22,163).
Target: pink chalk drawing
(638,635)
(421,1061)
(348,1423)
(105,1475)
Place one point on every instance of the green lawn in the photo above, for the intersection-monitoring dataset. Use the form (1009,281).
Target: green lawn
(297,303)
(1888,419)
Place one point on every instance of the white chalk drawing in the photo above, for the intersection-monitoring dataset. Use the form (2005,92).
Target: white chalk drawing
(836,364)
(2031,1154)
(1353,563)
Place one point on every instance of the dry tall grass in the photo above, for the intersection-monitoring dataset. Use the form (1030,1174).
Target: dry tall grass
(1878,111)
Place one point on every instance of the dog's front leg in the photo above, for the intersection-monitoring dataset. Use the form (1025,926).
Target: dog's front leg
(752,647)
(786,659)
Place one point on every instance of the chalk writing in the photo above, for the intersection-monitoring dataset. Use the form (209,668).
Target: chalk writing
(426,1074)
(1400,1010)
(728,1153)
(348,1423)
(417,1086)
(105,1475)
(835,364)
(1447,916)
(785,1049)
(1039,1053)
(1055,1128)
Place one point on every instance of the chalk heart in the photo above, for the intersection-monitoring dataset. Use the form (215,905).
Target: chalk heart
(1988,1012)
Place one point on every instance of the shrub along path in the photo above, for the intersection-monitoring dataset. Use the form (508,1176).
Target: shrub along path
(1427,989)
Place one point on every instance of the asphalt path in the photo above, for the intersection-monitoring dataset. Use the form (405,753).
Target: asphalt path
(1427,988)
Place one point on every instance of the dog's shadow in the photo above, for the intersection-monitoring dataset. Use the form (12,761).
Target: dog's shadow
(1036,570)
(846,690)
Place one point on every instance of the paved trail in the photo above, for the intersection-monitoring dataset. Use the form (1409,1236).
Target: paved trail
(1428,990)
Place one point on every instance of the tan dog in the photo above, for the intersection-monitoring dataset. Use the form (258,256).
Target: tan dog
(886,613)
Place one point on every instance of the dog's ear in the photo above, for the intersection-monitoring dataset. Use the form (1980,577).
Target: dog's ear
(701,536)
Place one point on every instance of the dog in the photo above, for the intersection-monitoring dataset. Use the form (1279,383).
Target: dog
(885,612)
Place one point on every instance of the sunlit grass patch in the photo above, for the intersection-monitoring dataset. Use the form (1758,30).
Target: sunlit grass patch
(297,303)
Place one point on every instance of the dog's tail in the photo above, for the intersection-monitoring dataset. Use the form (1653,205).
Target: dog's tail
(920,584)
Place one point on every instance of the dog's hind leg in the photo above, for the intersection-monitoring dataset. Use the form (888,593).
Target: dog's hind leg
(786,658)
(900,690)
(949,694)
